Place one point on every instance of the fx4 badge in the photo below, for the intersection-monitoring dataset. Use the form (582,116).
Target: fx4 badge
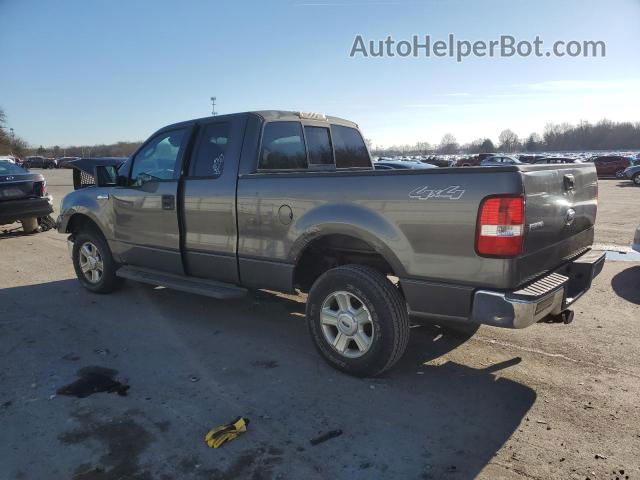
(454,192)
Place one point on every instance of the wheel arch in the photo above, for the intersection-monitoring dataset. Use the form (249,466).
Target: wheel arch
(341,235)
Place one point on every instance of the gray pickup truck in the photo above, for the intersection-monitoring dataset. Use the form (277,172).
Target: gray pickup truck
(290,201)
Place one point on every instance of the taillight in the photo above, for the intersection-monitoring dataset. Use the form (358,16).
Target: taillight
(40,189)
(500,229)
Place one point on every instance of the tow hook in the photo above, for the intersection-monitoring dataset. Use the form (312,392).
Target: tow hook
(565,317)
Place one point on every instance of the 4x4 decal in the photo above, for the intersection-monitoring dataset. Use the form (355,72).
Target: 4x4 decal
(454,192)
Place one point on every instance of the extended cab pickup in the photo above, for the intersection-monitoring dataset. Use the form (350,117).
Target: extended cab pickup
(289,201)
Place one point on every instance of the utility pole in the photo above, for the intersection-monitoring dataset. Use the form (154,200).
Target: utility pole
(213,106)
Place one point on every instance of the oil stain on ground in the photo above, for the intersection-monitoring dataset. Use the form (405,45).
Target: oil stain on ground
(93,380)
(124,441)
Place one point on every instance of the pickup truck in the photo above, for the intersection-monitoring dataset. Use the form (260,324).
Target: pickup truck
(290,202)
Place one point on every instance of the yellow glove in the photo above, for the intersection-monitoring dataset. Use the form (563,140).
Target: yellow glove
(225,433)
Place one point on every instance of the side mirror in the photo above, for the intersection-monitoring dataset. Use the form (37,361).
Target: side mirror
(106,176)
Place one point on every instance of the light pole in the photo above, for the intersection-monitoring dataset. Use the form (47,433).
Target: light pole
(213,107)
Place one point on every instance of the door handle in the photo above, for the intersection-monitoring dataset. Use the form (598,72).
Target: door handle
(168,202)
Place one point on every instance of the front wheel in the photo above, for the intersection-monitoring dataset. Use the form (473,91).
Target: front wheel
(93,263)
(636,179)
(358,320)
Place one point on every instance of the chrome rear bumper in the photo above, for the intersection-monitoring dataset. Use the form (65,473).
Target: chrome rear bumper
(549,295)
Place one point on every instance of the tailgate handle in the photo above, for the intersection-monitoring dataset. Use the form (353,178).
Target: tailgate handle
(168,202)
(569,182)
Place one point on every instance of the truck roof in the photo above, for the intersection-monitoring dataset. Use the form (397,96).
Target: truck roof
(272,115)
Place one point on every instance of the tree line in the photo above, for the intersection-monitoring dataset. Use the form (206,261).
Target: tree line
(603,135)
(585,136)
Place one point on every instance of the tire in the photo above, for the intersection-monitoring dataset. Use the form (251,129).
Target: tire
(636,179)
(377,320)
(98,249)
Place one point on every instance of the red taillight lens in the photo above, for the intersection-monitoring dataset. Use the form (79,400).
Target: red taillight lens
(40,188)
(500,230)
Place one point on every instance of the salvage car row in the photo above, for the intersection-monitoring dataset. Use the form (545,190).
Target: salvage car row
(607,166)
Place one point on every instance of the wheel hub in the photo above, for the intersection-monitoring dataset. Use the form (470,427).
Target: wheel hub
(347,324)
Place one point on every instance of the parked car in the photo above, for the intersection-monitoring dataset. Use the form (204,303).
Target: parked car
(632,173)
(548,160)
(262,200)
(500,161)
(40,162)
(23,196)
(531,158)
(611,165)
(473,161)
(8,158)
(63,162)
(400,164)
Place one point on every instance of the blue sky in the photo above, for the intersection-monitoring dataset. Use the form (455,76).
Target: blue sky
(102,71)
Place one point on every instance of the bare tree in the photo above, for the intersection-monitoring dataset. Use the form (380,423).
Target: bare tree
(508,140)
(448,144)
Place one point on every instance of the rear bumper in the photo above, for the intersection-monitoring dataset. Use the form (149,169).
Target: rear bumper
(13,210)
(549,295)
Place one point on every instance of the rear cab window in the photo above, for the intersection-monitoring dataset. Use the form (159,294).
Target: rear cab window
(290,145)
(351,151)
(283,147)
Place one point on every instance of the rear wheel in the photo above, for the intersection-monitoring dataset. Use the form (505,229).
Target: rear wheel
(358,320)
(29,225)
(636,178)
(93,263)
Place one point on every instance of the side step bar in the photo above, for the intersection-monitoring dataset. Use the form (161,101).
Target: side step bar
(200,286)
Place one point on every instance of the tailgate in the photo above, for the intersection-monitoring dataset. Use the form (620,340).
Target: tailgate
(560,213)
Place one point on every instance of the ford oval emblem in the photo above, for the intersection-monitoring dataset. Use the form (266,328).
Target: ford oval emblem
(570,216)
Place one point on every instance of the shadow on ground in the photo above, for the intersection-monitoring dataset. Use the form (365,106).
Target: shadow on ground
(626,284)
(427,418)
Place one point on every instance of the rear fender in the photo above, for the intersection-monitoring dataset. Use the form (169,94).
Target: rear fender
(354,221)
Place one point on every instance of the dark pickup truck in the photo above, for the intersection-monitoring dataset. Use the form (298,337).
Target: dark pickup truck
(291,202)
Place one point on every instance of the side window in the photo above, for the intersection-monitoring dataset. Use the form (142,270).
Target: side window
(282,147)
(208,160)
(350,148)
(158,159)
(319,145)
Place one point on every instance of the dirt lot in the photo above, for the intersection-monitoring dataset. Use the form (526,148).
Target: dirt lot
(549,402)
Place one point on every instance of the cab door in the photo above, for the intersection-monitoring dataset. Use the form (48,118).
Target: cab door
(145,212)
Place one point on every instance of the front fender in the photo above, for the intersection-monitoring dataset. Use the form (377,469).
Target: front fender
(84,202)
(355,221)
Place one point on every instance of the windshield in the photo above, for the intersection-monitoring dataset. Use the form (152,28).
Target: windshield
(8,168)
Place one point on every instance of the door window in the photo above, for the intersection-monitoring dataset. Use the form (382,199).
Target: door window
(158,160)
(208,160)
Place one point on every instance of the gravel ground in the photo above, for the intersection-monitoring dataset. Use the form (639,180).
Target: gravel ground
(549,402)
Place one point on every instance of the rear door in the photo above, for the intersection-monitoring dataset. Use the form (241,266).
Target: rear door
(560,213)
(145,211)
(209,201)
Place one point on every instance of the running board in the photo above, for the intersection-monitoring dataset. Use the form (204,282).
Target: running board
(199,286)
